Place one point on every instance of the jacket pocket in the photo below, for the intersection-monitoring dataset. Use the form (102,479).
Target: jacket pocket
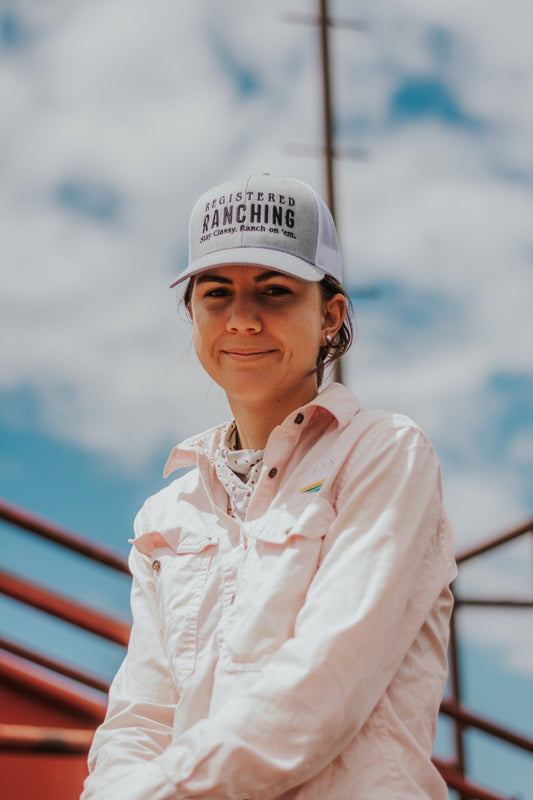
(180,572)
(281,561)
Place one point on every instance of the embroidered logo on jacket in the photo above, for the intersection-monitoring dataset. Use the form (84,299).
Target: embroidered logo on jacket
(313,487)
(318,474)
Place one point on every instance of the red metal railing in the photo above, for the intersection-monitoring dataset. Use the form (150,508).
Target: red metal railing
(466,789)
(464,719)
(54,666)
(15,515)
(38,739)
(468,719)
(56,703)
(35,738)
(79,702)
(67,610)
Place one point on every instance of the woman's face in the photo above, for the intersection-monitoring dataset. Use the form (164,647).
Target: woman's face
(257,332)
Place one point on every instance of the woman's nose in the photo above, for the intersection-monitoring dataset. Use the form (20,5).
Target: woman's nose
(244,317)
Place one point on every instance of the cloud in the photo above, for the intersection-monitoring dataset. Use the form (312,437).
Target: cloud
(110,145)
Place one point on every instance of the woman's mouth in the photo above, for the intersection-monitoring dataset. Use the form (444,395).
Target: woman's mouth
(247,355)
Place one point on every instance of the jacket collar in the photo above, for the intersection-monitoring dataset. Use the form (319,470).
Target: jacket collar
(335,400)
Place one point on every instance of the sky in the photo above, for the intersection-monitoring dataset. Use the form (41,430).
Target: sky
(115,115)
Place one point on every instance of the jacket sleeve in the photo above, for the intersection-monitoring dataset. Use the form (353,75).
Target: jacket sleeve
(386,559)
(142,697)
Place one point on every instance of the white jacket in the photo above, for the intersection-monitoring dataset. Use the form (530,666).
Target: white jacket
(300,653)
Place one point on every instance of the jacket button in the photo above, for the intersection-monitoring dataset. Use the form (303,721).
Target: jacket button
(299,419)
(273,472)
(156,565)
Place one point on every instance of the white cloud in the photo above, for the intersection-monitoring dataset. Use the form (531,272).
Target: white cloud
(504,632)
(116,97)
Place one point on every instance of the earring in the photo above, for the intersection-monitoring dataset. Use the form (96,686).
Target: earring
(328,338)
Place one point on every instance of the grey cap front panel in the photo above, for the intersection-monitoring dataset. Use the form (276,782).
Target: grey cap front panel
(273,213)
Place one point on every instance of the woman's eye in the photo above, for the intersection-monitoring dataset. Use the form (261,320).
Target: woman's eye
(219,292)
(277,291)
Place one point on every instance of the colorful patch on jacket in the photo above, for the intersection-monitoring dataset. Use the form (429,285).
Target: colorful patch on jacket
(313,487)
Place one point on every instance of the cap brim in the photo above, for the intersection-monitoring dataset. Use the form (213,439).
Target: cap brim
(254,257)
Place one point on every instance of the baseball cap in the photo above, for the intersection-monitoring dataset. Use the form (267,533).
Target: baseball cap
(263,220)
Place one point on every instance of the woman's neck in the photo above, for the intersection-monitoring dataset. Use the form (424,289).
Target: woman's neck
(256,420)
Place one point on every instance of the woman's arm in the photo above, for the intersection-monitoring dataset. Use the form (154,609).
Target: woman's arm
(386,560)
(142,698)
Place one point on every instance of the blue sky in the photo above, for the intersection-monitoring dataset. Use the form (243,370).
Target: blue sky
(114,117)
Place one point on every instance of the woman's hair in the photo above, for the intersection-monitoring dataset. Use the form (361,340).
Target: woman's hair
(341,342)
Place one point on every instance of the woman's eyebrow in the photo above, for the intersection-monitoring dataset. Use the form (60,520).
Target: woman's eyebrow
(265,276)
(209,277)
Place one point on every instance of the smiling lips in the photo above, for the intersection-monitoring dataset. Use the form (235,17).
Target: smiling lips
(247,355)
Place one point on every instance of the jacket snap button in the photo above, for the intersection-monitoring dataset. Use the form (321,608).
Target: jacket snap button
(299,419)
(273,472)
(156,565)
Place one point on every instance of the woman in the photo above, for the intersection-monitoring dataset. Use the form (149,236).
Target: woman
(291,592)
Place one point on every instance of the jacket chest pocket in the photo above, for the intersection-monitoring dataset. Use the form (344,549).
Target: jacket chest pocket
(180,575)
(280,564)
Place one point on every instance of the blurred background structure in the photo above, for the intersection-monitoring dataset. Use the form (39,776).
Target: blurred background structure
(115,116)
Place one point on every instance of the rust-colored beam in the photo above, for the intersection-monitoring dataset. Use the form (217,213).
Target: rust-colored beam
(456,687)
(493,602)
(37,597)
(45,740)
(87,706)
(54,666)
(467,790)
(471,720)
(54,533)
(496,541)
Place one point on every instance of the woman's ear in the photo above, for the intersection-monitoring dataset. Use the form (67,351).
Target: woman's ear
(334,312)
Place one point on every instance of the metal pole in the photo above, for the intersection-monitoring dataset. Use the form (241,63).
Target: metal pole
(323,18)
(455,685)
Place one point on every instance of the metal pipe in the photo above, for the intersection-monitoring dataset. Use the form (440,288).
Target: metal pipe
(54,666)
(490,544)
(493,602)
(323,18)
(471,720)
(38,739)
(61,536)
(34,683)
(324,22)
(466,789)
(37,597)
(455,685)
